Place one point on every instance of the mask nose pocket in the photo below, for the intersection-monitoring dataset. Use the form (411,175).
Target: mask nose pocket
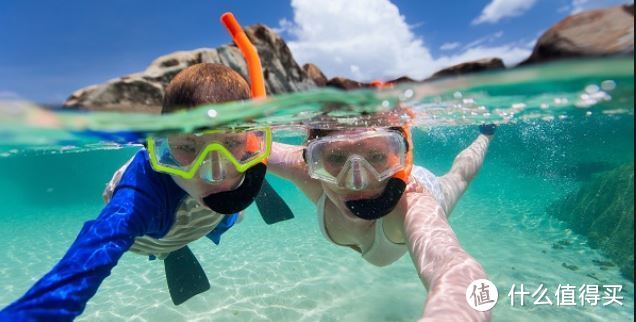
(355,176)
(213,169)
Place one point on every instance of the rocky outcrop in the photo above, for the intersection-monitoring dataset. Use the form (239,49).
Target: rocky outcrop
(346,84)
(588,34)
(282,73)
(143,92)
(128,93)
(470,67)
(594,33)
(603,211)
(315,74)
(401,80)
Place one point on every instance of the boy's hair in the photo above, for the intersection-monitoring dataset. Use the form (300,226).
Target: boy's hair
(204,84)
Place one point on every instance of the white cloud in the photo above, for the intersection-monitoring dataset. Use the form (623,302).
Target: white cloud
(370,34)
(479,41)
(499,9)
(449,45)
(510,54)
(369,39)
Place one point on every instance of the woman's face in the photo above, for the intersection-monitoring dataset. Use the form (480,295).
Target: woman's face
(377,155)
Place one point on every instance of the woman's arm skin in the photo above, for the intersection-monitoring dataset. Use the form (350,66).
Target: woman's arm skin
(465,167)
(442,264)
(286,161)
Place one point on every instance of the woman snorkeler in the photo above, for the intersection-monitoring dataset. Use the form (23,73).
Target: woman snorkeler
(371,198)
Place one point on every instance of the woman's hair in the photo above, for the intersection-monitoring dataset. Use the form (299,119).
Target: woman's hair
(204,84)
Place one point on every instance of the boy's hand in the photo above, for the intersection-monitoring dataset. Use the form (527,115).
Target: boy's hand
(487,129)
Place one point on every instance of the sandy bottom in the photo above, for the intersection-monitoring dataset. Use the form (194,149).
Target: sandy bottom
(288,272)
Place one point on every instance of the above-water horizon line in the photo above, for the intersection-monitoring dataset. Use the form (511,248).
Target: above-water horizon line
(460,100)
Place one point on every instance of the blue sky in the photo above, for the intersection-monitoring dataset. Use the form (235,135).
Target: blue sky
(51,48)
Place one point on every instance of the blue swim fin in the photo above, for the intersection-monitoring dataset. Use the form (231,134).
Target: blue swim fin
(272,207)
(185,275)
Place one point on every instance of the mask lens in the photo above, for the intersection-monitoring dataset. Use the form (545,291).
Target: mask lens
(379,154)
(188,152)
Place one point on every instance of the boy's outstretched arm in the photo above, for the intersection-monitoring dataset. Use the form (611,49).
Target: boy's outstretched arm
(135,210)
(466,165)
(442,264)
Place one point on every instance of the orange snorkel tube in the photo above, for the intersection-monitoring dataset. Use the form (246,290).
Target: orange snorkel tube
(254,68)
(273,208)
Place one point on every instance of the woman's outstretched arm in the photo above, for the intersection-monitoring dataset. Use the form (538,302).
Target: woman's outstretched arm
(464,168)
(442,264)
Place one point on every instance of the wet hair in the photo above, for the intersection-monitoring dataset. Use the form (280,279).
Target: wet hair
(204,84)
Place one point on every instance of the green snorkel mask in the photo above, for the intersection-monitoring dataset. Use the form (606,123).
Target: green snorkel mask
(209,153)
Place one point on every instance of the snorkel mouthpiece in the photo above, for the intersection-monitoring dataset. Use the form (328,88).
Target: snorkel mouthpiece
(375,208)
(233,201)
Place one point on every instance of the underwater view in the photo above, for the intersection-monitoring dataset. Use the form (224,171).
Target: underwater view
(552,205)
(358,160)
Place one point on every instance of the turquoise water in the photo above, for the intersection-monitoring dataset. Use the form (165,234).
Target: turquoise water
(288,272)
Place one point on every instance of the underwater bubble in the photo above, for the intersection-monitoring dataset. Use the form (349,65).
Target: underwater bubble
(212,113)
(608,85)
(458,95)
(409,93)
(590,89)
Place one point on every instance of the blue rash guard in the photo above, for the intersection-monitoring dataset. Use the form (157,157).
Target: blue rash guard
(143,203)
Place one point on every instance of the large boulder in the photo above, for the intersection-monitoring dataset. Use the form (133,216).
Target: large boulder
(282,73)
(603,211)
(143,92)
(475,66)
(128,93)
(315,74)
(594,33)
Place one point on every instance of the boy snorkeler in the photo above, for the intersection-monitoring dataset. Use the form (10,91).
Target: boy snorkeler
(370,198)
(220,170)
(178,189)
